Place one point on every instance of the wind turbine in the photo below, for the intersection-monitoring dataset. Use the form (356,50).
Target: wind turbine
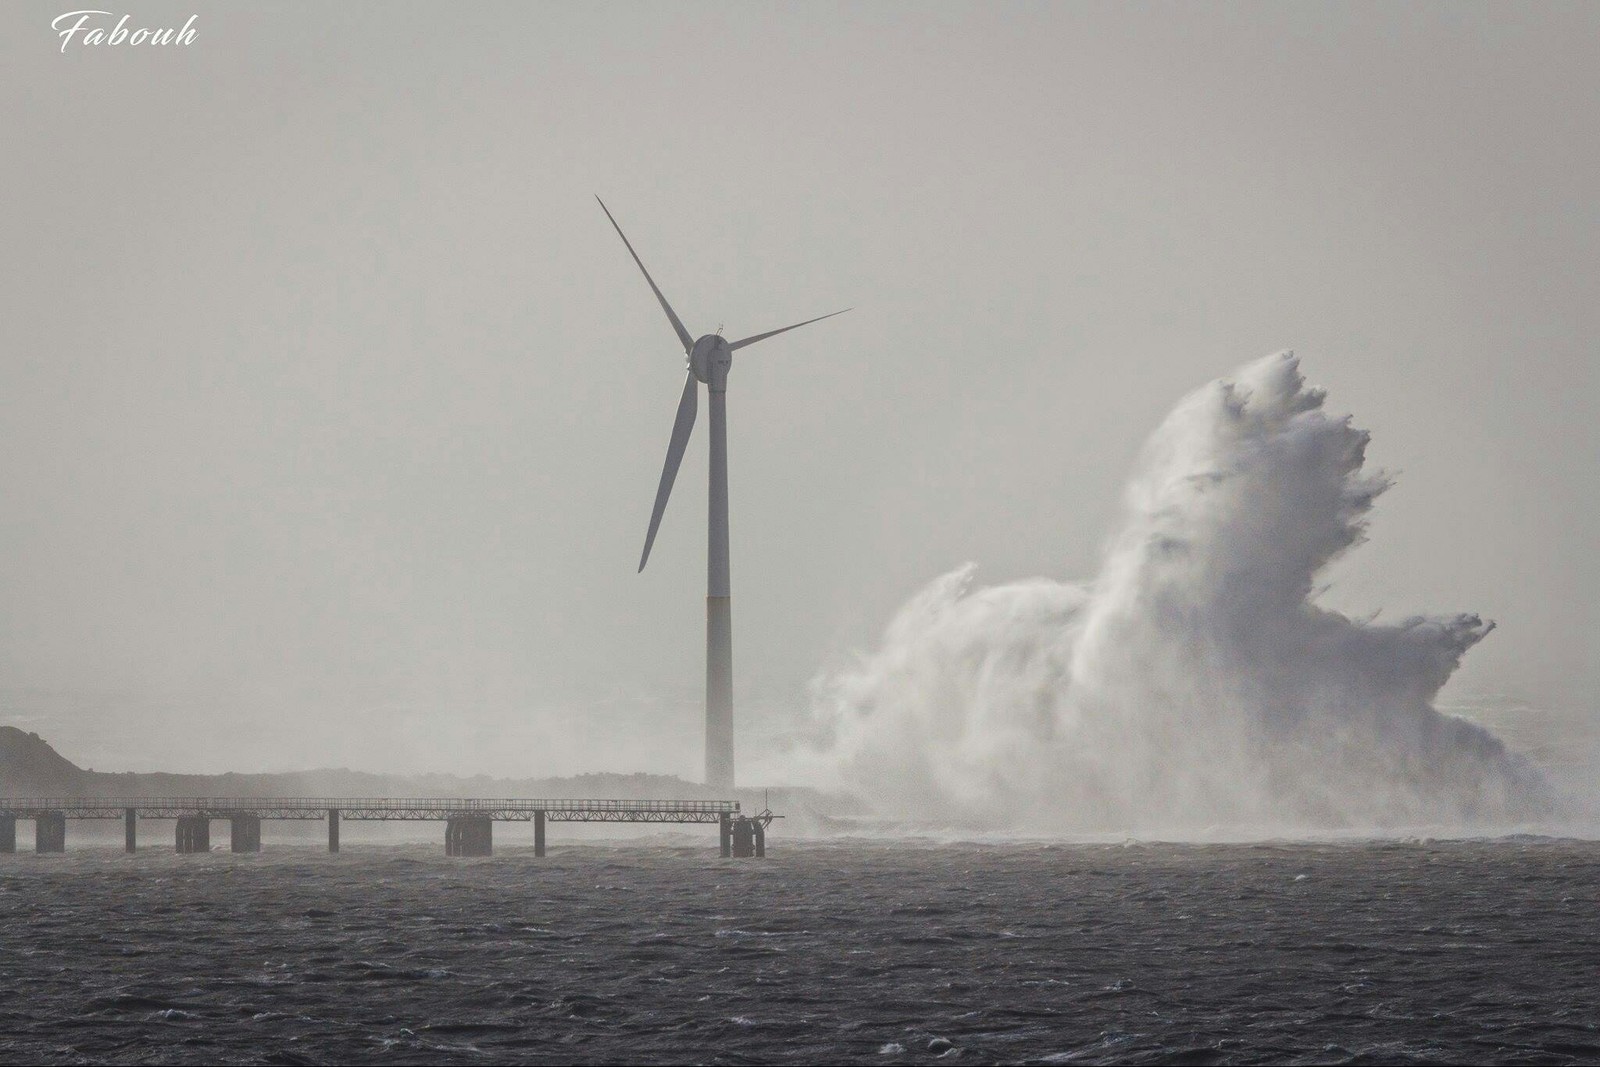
(709,359)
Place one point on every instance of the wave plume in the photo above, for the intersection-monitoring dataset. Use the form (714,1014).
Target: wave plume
(1195,682)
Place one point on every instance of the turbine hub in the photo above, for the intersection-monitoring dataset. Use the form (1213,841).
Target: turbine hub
(710,359)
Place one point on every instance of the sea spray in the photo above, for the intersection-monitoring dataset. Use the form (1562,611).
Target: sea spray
(1194,684)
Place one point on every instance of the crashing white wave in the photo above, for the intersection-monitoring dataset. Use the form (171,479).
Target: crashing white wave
(1194,683)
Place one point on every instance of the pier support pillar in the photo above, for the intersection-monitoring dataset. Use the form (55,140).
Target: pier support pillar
(193,834)
(8,833)
(469,835)
(744,839)
(725,832)
(333,829)
(761,841)
(538,833)
(50,831)
(130,829)
(246,833)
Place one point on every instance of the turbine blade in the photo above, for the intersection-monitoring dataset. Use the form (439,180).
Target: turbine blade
(683,335)
(680,441)
(786,329)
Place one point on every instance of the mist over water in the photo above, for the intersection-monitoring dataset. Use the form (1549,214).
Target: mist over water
(1194,684)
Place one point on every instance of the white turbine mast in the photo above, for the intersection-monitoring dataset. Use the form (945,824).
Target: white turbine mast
(709,358)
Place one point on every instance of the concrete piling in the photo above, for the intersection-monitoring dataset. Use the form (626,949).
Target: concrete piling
(193,834)
(469,835)
(744,839)
(725,833)
(130,829)
(246,835)
(761,840)
(8,834)
(538,833)
(333,829)
(50,831)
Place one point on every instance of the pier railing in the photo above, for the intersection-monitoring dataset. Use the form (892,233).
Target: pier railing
(379,809)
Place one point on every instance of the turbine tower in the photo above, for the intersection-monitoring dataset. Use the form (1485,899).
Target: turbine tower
(709,359)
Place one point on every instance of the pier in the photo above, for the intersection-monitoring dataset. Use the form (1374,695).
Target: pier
(469,823)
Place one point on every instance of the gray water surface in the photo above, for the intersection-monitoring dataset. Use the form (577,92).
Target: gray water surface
(862,952)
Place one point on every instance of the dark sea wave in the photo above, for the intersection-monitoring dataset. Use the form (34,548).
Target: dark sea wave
(1432,952)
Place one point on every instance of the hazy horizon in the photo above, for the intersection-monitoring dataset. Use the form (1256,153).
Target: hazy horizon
(332,409)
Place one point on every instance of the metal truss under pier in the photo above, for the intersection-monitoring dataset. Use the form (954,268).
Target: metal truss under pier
(468,822)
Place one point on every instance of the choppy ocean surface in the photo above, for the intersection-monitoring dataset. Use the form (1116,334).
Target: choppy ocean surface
(1429,952)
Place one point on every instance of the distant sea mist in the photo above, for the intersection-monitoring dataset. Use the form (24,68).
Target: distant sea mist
(1194,684)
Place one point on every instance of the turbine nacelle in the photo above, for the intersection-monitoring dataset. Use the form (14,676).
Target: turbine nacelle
(710,357)
(709,361)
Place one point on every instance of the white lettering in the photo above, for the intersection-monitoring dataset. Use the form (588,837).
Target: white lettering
(66,34)
(72,24)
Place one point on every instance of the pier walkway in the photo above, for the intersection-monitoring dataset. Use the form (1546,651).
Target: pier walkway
(469,822)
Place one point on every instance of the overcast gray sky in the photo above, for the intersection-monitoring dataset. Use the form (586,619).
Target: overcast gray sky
(331,409)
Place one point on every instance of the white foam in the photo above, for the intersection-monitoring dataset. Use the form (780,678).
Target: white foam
(1194,683)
